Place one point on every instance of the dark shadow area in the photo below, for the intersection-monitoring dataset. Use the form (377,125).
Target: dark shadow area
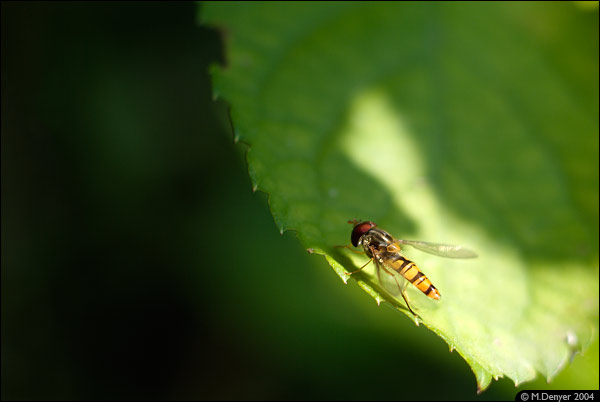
(108,133)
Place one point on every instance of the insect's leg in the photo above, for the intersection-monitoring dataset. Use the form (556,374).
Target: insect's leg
(358,270)
(351,249)
(404,295)
(407,303)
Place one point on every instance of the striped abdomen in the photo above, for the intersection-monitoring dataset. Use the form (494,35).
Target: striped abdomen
(413,274)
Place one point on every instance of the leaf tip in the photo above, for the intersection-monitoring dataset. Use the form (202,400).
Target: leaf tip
(310,250)
(481,388)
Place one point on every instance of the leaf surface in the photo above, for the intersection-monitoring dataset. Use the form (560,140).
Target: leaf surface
(461,123)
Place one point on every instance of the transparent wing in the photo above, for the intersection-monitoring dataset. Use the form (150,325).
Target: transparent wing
(389,281)
(443,250)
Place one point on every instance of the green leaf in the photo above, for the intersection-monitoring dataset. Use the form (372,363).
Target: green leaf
(465,123)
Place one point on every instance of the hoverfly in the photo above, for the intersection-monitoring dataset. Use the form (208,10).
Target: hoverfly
(384,251)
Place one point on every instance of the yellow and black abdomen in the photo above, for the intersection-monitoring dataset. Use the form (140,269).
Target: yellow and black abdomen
(413,274)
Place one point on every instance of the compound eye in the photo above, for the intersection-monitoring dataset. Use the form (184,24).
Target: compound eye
(359,230)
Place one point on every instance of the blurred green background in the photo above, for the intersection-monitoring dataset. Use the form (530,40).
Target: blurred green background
(136,261)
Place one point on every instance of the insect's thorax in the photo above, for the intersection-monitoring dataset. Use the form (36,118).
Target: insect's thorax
(375,239)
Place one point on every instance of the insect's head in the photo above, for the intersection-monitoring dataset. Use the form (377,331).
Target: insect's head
(360,228)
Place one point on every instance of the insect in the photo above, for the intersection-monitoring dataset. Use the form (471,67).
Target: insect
(394,271)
